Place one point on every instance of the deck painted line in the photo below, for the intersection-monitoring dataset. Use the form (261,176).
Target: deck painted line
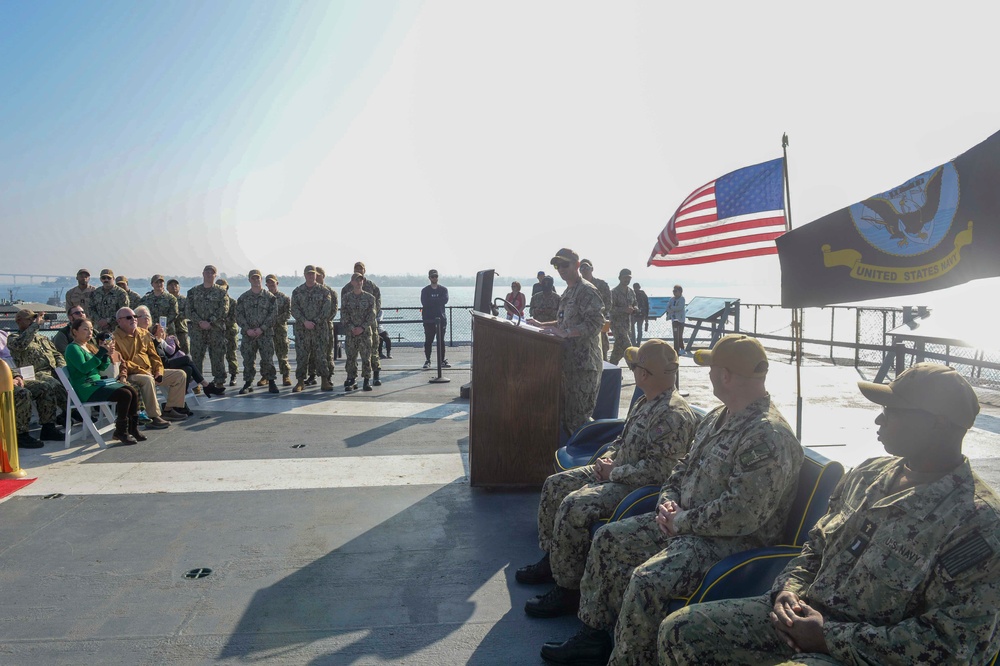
(242,475)
(341,407)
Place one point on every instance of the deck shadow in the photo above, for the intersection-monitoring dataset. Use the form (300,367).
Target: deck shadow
(400,587)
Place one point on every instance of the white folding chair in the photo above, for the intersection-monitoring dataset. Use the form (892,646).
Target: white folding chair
(89,427)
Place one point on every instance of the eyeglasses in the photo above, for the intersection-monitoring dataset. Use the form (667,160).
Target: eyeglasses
(76,312)
(636,366)
(142,316)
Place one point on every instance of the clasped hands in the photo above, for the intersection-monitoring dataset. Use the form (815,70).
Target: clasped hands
(798,624)
(602,468)
(666,513)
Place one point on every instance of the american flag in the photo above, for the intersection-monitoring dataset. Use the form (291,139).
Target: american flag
(735,216)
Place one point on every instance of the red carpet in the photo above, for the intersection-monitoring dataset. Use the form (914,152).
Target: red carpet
(8,486)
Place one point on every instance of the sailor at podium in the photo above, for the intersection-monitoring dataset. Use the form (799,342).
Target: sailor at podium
(579,323)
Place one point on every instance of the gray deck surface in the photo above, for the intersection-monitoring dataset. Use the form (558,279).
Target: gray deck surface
(349,550)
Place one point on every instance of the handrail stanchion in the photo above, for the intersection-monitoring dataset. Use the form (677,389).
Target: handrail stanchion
(10,465)
(440,354)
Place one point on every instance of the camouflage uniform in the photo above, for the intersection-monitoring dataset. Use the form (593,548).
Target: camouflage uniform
(105,304)
(232,336)
(580,310)
(164,305)
(313,304)
(544,306)
(605,291)
(331,340)
(908,577)
(181,324)
(656,436)
(734,487)
(376,293)
(209,304)
(358,310)
(282,313)
(134,299)
(22,406)
(622,300)
(77,296)
(256,311)
(29,348)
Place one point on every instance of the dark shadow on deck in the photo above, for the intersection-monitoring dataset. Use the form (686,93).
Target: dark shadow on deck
(407,584)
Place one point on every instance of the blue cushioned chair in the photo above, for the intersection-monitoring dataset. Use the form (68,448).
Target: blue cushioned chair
(753,571)
(590,441)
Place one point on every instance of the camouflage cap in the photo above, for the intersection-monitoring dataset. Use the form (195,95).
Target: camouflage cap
(121,278)
(565,254)
(254,273)
(210,268)
(432,273)
(355,276)
(588,263)
(83,271)
(156,278)
(928,387)
(222,282)
(654,356)
(107,272)
(271,276)
(25,313)
(361,265)
(320,271)
(623,272)
(308,269)
(740,354)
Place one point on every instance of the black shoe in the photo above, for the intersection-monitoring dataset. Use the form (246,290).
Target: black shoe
(271,386)
(183,410)
(76,417)
(382,356)
(375,380)
(52,433)
(445,364)
(538,573)
(367,385)
(26,441)
(247,388)
(311,381)
(388,355)
(554,603)
(232,380)
(212,389)
(588,646)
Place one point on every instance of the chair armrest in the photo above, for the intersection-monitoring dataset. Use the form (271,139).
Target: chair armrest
(639,501)
(746,574)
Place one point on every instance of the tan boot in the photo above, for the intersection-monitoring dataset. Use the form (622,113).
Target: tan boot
(327,385)
(262,382)
(300,387)
(286,381)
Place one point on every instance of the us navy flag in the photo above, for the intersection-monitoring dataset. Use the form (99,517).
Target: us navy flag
(936,230)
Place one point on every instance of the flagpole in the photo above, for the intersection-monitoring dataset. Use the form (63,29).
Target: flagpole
(796,312)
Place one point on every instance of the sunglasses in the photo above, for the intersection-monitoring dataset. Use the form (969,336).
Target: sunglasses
(559,265)
(105,279)
(129,317)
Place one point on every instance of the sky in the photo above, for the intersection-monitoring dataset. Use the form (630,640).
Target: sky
(158,137)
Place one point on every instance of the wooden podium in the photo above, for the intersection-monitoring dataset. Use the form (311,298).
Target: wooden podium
(515,417)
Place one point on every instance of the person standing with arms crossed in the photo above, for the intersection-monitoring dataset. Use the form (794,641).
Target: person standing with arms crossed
(676,313)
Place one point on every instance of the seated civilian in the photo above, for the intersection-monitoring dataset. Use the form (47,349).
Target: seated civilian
(64,336)
(175,359)
(141,366)
(85,363)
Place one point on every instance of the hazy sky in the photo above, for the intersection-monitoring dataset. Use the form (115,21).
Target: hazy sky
(160,136)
